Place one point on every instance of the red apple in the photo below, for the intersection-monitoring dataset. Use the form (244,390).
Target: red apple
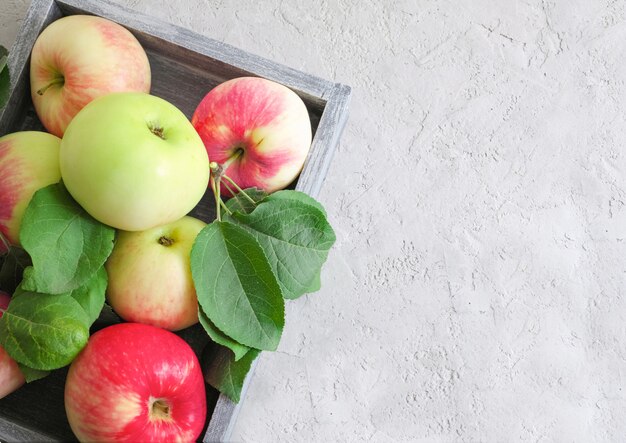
(257,129)
(11,377)
(150,275)
(29,161)
(135,383)
(79,58)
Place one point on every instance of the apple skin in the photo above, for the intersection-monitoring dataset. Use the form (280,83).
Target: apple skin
(258,129)
(29,160)
(150,275)
(79,58)
(113,384)
(134,161)
(11,378)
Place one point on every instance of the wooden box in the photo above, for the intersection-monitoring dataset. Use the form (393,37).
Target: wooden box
(185,66)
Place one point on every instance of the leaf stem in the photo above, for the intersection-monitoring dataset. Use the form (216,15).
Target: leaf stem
(225,207)
(216,193)
(232,192)
(5,242)
(239,189)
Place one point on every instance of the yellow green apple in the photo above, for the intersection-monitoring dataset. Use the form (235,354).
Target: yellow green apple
(134,161)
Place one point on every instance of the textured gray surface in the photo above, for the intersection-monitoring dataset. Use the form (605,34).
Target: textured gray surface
(477,289)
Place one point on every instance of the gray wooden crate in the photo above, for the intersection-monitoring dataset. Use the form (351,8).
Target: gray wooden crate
(185,66)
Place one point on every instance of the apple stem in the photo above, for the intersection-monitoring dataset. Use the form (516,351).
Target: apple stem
(238,153)
(166,241)
(56,81)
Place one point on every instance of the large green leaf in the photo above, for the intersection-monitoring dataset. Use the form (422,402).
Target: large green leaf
(44,331)
(228,375)
(236,287)
(220,338)
(296,195)
(31,374)
(67,245)
(91,295)
(296,238)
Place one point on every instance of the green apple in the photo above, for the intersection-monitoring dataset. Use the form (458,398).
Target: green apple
(134,161)
(150,275)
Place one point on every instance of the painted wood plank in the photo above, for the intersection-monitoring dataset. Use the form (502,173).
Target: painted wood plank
(12,432)
(199,49)
(325,142)
(39,15)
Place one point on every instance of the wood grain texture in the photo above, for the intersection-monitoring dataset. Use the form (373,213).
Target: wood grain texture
(39,15)
(185,66)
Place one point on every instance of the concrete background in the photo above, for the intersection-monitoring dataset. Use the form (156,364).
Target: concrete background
(477,288)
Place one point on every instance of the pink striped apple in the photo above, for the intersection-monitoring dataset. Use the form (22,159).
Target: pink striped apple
(79,58)
(135,383)
(29,160)
(150,275)
(258,130)
(11,377)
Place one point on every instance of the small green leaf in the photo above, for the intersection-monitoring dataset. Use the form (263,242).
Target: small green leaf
(31,374)
(296,238)
(219,337)
(12,269)
(228,375)
(66,244)
(44,331)
(239,203)
(236,287)
(91,295)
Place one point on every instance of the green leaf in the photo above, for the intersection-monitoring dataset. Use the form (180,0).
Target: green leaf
(228,375)
(315,286)
(44,331)
(5,81)
(91,295)
(12,269)
(219,337)
(31,374)
(66,244)
(296,238)
(239,203)
(236,287)
(296,195)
